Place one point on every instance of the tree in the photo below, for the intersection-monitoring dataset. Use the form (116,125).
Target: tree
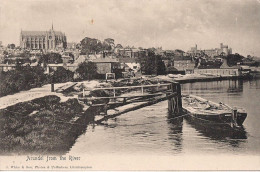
(152,64)
(22,78)
(90,46)
(161,69)
(11,46)
(62,75)
(50,58)
(106,46)
(87,70)
(233,59)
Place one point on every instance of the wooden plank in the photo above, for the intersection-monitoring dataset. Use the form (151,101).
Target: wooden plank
(64,88)
(135,107)
(139,86)
(95,98)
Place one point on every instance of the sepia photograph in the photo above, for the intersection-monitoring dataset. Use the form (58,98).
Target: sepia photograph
(129,85)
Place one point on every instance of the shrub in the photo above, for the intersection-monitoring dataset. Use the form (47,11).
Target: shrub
(87,70)
(22,78)
(63,75)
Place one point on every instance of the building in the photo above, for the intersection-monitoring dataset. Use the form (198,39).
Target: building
(219,72)
(130,64)
(130,53)
(53,67)
(223,50)
(105,65)
(46,40)
(71,46)
(184,63)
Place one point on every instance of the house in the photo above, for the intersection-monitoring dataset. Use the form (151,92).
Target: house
(66,58)
(81,59)
(130,64)
(106,65)
(184,63)
(54,67)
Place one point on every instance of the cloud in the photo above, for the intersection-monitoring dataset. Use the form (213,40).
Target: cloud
(168,23)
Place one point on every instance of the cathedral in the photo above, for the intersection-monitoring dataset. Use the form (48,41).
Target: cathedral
(45,40)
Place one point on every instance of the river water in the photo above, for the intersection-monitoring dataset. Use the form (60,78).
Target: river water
(150,130)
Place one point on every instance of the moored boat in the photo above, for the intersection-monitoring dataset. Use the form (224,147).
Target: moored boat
(208,112)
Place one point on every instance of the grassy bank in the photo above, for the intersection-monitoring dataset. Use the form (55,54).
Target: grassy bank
(44,125)
(26,77)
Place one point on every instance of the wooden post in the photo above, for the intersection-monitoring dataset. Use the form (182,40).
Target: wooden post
(83,92)
(142,88)
(173,87)
(234,117)
(177,108)
(178,86)
(157,88)
(52,83)
(169,103)
(169,87)
(52,87)
(105,109)
(114,90)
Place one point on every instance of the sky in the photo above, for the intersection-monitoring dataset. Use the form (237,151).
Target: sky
(170,24)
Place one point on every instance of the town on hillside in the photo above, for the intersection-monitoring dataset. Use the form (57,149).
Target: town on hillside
(50,50)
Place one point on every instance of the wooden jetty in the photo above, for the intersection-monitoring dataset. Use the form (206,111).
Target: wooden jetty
(129,98)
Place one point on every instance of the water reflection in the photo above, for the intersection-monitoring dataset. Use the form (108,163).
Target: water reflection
(254,84)
(235,86)
(175,133)
(217,133)
(218,86)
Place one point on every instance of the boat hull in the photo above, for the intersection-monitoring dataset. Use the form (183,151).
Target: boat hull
(216,131)
(205,111)
(221,121)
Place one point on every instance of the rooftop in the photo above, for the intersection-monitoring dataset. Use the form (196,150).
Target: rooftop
(39,33)
(105,60)
(127,60)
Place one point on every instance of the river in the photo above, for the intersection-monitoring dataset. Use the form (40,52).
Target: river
(150,130)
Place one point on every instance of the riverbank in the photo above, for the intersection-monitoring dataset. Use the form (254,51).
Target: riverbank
(42,126)
(189,78)
(38,121)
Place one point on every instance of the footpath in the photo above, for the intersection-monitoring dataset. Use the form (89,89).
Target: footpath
(31,94)
(45,90)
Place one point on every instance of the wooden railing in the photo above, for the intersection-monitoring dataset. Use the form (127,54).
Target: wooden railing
(127,87)
(172,93)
